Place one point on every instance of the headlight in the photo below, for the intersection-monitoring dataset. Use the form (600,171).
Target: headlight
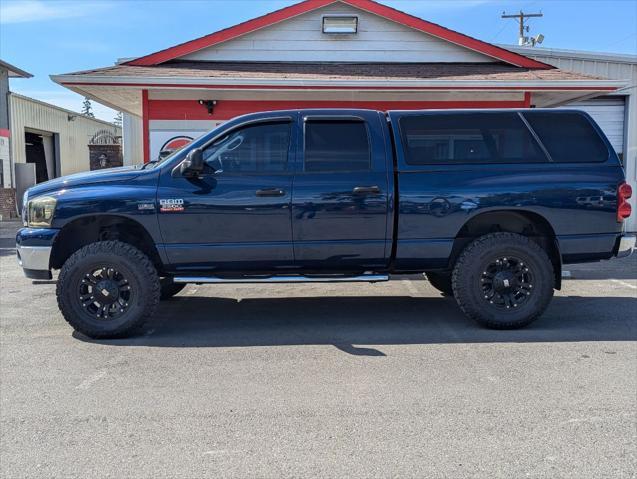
(23,213)
(40,211)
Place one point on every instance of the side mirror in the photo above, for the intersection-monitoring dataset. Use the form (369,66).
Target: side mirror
(193,164)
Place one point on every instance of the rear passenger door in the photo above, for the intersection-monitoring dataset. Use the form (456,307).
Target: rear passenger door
(340,197)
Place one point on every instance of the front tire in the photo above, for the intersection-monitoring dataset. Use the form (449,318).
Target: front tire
(503,281)
(107,289)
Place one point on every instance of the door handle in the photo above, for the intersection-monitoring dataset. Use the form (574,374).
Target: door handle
(270,192)
(366,190)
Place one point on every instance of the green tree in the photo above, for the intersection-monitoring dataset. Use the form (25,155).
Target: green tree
(87,108)
(117,121)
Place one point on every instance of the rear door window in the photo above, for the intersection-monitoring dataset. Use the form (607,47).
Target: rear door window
(569,137)
(468,138)
(335,145)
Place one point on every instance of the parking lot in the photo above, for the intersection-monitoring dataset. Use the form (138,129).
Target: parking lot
(325,380)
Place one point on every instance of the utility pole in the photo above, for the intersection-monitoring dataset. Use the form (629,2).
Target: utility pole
(522,17)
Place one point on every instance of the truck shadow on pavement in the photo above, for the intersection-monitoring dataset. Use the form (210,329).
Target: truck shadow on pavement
(345,322)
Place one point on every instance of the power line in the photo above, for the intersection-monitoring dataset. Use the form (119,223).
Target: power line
(523,28)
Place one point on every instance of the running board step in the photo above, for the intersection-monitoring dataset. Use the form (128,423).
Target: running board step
(364,278)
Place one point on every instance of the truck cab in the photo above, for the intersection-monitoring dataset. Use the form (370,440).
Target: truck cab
(293,191)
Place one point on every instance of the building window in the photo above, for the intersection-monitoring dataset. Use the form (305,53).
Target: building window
(340,24)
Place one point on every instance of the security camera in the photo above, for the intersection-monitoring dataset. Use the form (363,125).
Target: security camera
(209,104)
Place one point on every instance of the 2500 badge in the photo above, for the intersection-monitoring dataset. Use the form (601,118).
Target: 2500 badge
(171,205)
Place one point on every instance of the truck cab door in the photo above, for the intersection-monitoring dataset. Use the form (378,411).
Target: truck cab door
(342,191)
(235,216)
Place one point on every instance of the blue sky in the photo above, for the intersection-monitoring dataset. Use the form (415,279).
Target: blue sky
(47,37)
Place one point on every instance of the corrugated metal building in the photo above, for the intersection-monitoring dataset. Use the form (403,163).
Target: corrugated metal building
(54,139)
(64,134)
(6,71)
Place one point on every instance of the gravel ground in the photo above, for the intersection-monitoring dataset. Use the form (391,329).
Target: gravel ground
(322,380)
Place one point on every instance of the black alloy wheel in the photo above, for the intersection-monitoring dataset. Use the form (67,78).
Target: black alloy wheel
(506,282)
(105,292)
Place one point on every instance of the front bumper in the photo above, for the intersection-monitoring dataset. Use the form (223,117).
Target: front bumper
(33,247)
(626,245)
(35,261)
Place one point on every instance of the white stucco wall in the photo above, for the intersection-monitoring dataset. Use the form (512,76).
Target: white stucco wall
(132,149)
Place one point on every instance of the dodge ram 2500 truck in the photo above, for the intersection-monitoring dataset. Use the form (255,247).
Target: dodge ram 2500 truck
(488,204)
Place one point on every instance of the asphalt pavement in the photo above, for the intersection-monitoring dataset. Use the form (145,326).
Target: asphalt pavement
(322,380)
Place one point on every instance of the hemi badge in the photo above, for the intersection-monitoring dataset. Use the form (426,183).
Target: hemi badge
(171,205)
(145,206)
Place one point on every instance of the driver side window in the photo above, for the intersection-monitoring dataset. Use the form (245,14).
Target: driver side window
(257,148)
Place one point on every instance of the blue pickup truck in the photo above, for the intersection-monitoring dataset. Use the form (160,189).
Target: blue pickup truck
(488,204)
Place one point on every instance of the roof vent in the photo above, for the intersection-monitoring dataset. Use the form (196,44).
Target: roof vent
(340,24)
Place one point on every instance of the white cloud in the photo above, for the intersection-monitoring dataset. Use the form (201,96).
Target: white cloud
(21,11)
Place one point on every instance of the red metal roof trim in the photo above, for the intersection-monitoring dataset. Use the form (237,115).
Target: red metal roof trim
(367,5)
(230,33)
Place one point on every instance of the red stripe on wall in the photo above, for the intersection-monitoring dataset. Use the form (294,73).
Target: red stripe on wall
(5,133)
(527,99)
(145,130)
(226,109)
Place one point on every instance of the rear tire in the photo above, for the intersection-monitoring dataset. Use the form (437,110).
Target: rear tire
(503,281)
(107,289)
(169,288)
(441,281)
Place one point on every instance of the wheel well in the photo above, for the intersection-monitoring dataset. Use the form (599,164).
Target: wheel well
(83,231)
(525,223)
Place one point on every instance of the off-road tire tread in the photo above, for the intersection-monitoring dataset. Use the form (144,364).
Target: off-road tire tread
(137,260)
(463,296)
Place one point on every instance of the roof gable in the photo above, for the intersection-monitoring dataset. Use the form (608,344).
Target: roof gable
(432,29)
(300,39)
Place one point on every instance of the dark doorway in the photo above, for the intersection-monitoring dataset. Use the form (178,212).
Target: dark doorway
(39,150)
